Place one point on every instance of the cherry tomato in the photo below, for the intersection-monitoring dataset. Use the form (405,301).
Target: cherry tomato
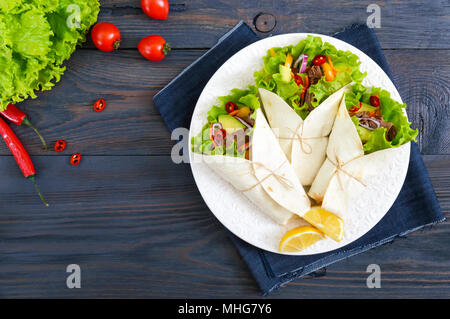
(156,9)
(106,36)
(230,107)
(319,60)
(298,80)
(375,101)
(99,105)
(75,159)
(153,47)
(60,145)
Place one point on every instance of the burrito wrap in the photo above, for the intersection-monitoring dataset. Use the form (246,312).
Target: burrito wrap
(304,142)
(268,179)
(352,180)
(344,145)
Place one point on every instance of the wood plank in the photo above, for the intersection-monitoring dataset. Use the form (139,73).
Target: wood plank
(199,23)
(138,227)
(427,99)
(135,222)
(131,124)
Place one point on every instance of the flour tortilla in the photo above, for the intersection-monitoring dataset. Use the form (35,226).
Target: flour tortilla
(307,157)
(344,145)
(342,185)
(279,198)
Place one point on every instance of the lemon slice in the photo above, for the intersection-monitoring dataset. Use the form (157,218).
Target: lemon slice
(328,223)
(299,238)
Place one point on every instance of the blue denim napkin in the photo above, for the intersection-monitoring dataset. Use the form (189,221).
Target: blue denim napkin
(415,207)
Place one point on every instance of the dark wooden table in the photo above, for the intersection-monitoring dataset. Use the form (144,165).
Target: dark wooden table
(136,223)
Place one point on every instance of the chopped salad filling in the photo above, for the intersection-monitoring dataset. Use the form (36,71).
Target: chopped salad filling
(306,74)
(230,125)
(379,120)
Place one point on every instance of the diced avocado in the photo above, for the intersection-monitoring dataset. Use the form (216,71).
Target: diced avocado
(364,133)
(230,124)
(285,72)
(366,108)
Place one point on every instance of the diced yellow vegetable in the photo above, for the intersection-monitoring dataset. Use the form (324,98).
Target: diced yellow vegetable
(289,60)
(272,52)
(243,112)
(328,72)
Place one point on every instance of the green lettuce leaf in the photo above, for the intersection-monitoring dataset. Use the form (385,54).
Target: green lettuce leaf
(36,40)
(270,78)
(201,143)
(391,110)
(285,89)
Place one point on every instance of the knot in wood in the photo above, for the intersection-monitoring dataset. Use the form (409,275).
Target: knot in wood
(264,22)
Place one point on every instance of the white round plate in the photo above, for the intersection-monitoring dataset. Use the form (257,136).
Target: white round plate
(242,217)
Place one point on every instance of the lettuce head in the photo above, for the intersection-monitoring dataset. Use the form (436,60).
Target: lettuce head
(36,37)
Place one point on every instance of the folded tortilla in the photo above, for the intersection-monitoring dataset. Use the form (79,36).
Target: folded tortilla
(267,179)
(303,141)
(351,181)
(344,145)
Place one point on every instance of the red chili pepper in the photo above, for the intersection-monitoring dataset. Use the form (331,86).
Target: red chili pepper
(99,105)
(20,154)
(375,101)
(354,109)
(305,87)
(298,79)
(212,131)
(230,107)
(18,117)
(60,145)
(75,159)
(319,60)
